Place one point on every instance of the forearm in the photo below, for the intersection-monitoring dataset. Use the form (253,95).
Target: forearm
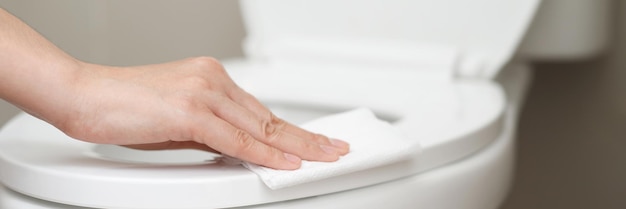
(33,70)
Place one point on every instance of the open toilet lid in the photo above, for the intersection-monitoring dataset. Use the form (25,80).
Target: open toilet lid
(484,32)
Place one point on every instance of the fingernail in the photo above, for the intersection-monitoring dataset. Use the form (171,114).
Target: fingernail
(292,158)
(328,149)
(339,143)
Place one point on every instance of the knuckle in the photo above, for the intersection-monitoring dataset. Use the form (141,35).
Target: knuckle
(271,132)
(275,121)
(309,147)
(321,138)
(245,146)
(207,73)
(207,63)
(272,128)
(243,142)
(204,60)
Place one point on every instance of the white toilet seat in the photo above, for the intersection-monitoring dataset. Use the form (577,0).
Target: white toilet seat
(449,132)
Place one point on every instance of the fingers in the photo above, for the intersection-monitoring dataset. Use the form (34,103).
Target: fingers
(275,133)
(235,142)
(250,103)
(341,147)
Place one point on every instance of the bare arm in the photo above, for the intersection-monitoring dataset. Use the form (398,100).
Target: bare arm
(33,69)
(182,104)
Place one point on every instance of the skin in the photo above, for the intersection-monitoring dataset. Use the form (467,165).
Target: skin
(190,103)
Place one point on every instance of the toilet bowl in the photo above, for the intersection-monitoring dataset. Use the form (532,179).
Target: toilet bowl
(448,83)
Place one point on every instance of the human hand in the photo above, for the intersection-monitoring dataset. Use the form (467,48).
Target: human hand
(191,103)
(184,104)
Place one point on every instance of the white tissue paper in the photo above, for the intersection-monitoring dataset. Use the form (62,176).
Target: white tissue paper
(373,143)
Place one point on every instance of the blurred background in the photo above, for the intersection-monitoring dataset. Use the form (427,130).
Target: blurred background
(572,135)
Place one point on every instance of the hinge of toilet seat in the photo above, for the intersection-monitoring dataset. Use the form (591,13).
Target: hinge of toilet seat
(438,61)
(471,66)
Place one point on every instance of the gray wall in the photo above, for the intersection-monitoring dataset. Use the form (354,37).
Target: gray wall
(571,139)
(572,136)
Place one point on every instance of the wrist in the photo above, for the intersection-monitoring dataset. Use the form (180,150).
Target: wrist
(50,92)
(73,97)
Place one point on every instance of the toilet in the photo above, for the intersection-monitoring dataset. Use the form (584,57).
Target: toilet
(450,74)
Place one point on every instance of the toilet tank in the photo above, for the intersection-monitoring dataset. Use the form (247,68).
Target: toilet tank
(568,30)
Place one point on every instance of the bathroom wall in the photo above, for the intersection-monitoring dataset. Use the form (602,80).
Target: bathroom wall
(572,137)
